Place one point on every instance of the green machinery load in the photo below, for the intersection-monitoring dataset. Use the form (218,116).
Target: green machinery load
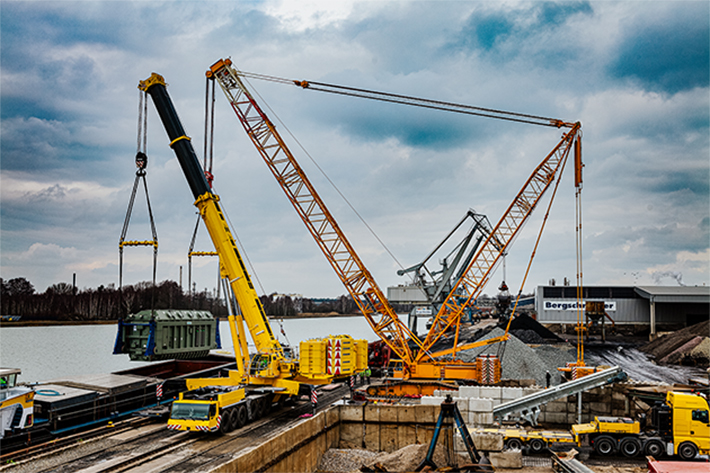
(152,335)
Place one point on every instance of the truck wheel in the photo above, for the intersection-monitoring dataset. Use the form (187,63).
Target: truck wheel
(242,416)
(537,445)
(687,451)
(224,427)
(234,419)
(655,448)
(514,444)
(630,447)
(605,445)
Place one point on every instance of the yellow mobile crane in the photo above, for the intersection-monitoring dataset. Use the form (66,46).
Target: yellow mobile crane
(223,404)
(419,363)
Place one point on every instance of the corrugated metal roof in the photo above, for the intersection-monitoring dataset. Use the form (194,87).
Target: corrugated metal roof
(687,294)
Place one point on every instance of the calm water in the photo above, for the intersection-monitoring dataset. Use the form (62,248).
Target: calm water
(44,353)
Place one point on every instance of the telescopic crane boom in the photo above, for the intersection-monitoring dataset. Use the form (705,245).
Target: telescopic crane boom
(220,403)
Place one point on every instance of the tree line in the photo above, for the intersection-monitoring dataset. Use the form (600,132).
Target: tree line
(63,302)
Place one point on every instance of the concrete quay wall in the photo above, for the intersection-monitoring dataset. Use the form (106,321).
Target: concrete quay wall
(376,428)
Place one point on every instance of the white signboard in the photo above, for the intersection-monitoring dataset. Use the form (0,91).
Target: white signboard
(573,305)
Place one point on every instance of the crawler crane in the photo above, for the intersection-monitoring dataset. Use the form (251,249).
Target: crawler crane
(420,366)
(222,404)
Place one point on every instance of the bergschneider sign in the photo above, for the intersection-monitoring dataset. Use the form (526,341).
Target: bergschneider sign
(575,305)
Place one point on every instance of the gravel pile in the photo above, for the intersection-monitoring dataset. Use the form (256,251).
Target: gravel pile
(404,459)
(344,460)
(530,337)
(520,361)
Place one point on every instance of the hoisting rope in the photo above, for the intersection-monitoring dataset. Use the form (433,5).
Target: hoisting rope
(207,168)
(141,161)
(315,163)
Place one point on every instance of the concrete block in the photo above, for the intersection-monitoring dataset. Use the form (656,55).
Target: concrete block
(462,404)
(488,442)
(388,438)
(481,418)
(431,400)
(531,390)
(350,437)
(508,394)
(496,402)
(600,408)
(371,437)
(372,413)
(424,434)
(389,414)
(470,391)
(332,416)
(406,435)
(556,417)
(491,392)
(507,459)
(555,406)
(427,414)
(480,405)
(572,418)
(351,413)
(407,414)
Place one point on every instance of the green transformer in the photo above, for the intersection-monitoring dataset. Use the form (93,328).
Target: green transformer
(152,335)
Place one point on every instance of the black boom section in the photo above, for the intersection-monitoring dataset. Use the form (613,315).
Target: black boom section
(179,141)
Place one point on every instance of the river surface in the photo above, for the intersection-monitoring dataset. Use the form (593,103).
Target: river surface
(52,352)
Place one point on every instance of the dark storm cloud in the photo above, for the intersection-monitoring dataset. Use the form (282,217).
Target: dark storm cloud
(669,55)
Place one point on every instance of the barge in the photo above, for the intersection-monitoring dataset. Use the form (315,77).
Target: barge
(76,403)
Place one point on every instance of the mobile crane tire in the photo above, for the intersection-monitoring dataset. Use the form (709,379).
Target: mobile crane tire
(687,451)
(234,418)
(655,448)
(605,445)
(226,423)
(514,444)
(537,445)
(630,446)
(241,416)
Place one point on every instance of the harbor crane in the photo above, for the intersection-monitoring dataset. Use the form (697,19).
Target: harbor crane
(420,367)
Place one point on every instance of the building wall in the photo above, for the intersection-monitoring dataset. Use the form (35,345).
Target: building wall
(622,304)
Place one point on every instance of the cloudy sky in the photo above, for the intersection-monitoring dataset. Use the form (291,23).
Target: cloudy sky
(636,74)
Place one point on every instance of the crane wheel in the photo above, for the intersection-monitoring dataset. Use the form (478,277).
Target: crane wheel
(514,444)
(630,447)
(687,451)
(241,415)
(537,445)
(234,419)
(226,424)
(655,448)
(605,445)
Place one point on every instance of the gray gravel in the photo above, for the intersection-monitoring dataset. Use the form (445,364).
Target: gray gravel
(522,361)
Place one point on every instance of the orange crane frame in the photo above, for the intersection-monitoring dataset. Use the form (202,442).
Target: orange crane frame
(419,364)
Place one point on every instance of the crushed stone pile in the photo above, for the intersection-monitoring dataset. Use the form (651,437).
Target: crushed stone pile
(404,459)
(521,361)
(673,348)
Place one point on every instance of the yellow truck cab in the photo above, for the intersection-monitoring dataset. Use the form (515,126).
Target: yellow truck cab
(679,426)
(690,424)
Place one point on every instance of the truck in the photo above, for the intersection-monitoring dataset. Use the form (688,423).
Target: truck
(679,426)
(273,373)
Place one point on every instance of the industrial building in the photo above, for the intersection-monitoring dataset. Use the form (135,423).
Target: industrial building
(659,307)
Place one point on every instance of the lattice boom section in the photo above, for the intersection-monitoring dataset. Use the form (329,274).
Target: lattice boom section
(480,269)
(315,215)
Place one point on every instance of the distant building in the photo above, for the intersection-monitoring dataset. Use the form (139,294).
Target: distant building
(660,307)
